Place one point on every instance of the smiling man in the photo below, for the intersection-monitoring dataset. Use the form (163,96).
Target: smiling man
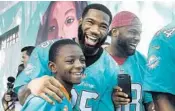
(94,92)
(125,32)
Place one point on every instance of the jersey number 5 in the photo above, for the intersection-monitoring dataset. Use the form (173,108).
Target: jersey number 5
(84,98)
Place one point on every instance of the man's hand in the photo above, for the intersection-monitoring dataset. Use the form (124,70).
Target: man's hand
(119,97)
(7,97)
(46,86)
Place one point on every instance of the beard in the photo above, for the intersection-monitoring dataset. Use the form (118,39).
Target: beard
(124,47)
(88,50)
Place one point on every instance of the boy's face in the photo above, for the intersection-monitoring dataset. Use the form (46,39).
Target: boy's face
(70,63)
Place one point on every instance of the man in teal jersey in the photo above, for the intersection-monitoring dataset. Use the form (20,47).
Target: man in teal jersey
(94,92)
(125,36)
(67,63)
(161,66)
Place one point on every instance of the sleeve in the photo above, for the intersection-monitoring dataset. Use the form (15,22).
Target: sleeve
(147,97)
(37,66)
(34,103)
(160,66)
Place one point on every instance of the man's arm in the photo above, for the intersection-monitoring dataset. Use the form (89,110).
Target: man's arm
(164,101)
(40,87)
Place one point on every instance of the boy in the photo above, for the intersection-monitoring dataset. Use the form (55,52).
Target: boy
(66,62)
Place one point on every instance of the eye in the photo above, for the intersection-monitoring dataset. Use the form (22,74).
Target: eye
(70,61)
(82,60)
(104,27)
(51,29)
(69,20)
(133,32)
(89,22)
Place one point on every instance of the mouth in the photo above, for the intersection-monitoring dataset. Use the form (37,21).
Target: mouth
(91,41)
(77,75)
(133,45)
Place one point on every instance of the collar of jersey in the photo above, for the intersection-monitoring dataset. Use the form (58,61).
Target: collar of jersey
(66,94)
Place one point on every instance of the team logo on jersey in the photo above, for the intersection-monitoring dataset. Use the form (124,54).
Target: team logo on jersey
(157,47)
(153,62)
(65,108)
(29,69)
(47,43)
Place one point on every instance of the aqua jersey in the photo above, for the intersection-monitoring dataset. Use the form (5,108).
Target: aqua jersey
(96,88)
(94,92)
(161,62)
(135,66)
(34,103)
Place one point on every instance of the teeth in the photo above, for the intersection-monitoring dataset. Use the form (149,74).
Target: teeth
(92,38)
(133,44)
(77,73)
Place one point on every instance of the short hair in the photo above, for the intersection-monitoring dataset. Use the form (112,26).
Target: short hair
(28,49)
(98,7)
(54,50)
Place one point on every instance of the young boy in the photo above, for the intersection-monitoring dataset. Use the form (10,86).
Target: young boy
(67,63)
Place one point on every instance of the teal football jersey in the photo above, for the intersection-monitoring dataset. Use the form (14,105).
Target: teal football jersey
(34,103)
(161,62)
(135,66)
(94,92)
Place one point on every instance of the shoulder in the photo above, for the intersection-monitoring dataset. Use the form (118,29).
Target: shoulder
(35,103)
(139,58)
(165,35)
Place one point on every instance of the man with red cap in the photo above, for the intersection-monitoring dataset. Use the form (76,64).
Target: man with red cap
(125,33)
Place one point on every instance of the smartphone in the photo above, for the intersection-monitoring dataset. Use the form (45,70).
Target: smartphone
(124,81)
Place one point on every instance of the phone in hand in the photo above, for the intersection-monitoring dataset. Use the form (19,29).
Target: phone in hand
(124,82)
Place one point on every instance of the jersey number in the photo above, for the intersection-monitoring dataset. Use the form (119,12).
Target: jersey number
(169,32)
(85,96)
(135,101)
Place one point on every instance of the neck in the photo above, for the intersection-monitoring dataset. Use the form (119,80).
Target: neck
(93,53)
(114,51)
(66,85)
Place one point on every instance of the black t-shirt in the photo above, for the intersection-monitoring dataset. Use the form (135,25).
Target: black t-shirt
(92,59)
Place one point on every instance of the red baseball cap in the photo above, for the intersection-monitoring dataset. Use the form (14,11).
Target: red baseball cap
(124,18)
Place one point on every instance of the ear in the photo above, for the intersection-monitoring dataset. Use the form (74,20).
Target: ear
(115,32)
(52,67)
(80,21)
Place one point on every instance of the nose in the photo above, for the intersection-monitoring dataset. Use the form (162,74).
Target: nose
(60,32)
(79,65)
(137,38)
(95,30)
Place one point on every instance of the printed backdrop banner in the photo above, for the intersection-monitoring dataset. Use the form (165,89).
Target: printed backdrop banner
(30,23)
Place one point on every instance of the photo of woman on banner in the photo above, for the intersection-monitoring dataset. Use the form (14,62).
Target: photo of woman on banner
(60,20)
